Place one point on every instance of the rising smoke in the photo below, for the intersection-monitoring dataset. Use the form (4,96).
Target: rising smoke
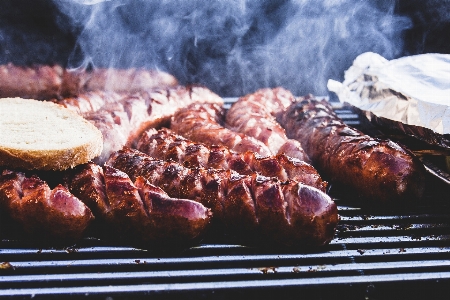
(233,46)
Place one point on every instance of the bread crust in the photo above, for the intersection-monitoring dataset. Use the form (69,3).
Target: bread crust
(59,157)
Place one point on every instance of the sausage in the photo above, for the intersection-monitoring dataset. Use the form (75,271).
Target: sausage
(135,212)
(122,118)
(40,211)
(115,80)
(255,115)
(54,82)
(203,123)
(377,171)
(274,212)
(166,145)
(138,212)
(90,102)
(35,82)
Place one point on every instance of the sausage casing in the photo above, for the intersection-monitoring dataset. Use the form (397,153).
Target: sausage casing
(378,171)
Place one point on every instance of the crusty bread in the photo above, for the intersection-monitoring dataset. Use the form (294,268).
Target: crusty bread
(44,135)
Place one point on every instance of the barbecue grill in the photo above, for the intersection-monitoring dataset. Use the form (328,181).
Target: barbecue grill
(374,255)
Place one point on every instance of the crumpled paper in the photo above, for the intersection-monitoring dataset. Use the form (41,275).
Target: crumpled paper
(414,90)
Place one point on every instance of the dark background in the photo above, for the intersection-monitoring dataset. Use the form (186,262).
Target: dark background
(233,47)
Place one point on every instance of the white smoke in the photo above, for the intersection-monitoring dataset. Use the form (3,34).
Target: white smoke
(236,46)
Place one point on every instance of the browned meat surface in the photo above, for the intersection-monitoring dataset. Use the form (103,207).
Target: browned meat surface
(122,118)
(41,211)
(49,82)
(115,128)
(115,80)
(87,182)
(275,212)
(166,145)
(37,82)
(203,123)
(137,211)
(164,103)
(379,171)
(255,115)
(90,102)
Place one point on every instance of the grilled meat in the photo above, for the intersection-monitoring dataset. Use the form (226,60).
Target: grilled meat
(255,115)
(138,212)
(49,82)
(203,123)
(41,211)
(37,82)
(128,81)
(377,170)
(92,101)
(284,213)
(123,118)
(166,145)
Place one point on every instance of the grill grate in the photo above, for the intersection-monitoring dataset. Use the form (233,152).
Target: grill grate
(370,254)
(373,256)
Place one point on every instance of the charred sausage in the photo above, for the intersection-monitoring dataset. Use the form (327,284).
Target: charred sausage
(203,123)
(41,211)
(138,211)
(255,115)
(379,171)
(283,213)
(166,145)
(122,118)
(135,212)
(54,82)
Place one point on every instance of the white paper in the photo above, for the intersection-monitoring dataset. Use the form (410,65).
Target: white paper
(414,90)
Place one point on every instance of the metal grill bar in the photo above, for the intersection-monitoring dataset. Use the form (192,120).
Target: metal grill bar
(346,261)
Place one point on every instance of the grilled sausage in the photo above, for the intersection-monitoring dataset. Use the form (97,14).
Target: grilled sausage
(379,171)
(203,123)
(55,82)
(255,115)
(278,213)
(122,118)
(138,212)
(166,145)
(75,82)
(36,82)
(43,212)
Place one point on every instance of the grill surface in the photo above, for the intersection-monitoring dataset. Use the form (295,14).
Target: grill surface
(373,256)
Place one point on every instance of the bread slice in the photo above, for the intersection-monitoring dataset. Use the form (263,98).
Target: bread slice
(44,135)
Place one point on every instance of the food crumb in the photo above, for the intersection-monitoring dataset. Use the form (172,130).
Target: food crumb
(6,266)
(268,270)
(71,249)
